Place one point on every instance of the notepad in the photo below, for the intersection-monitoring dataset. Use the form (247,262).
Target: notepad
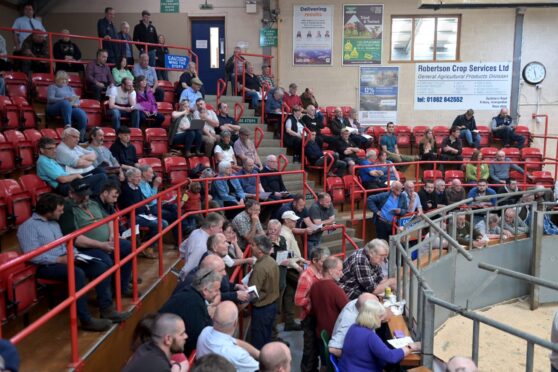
(400,343)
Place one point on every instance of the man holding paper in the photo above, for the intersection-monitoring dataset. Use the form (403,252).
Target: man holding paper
(42,228)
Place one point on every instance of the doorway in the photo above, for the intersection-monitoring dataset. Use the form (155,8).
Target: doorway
(208,42)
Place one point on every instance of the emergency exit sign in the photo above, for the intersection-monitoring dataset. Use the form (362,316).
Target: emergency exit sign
(170,6)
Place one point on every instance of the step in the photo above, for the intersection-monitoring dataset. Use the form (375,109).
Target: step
(210,98)
(264,151)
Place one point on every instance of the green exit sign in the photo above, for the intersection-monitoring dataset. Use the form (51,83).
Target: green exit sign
(268,37)
(249,120)
(170,6)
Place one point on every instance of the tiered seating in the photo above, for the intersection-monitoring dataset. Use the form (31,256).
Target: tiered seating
(19,283)
(7,156)
(193,161)
(110,136)
(336,188)
(35,186)
(18,202)
(48,132)
(16,84)
(93,111)
(403,134)
(544,178)
(351,187)
(136,139)
(157,140)
(418,133)
(75,81)
(440,132)
(467,153)
(165,108)
(33,136)
(155,163)
(24,149)
(489,152)
(523,131)
(513,153)
(9,113)
(451,175)
(532,155)
(168,88)
(431,175)
(484,134)
(176,169)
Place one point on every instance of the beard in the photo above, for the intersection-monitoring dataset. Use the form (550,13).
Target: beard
(175,348)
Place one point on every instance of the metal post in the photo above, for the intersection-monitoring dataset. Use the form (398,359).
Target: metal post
(529,357)
(517,45)
(476,329)
(538,231)
(428,330)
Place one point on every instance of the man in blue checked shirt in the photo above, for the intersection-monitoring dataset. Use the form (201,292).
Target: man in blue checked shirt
(42,228)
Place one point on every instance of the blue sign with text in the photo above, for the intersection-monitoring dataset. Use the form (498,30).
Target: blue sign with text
(175,61)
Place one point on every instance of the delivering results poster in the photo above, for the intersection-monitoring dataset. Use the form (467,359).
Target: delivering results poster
(312,35)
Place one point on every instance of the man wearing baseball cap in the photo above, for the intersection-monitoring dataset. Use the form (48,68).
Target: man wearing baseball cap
(192,93)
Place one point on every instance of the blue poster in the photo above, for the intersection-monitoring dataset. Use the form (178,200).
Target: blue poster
(177,62)
(378,94)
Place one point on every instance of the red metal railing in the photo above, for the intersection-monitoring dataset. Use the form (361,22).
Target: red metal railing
(524,184)
(51,60)
(265,90)
(221,88)
(284,115)
(68,240)
(258,137)
(329,160)
(238,111)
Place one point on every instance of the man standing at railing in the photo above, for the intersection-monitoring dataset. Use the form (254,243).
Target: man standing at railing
(35,45)
(145,32)
(42,228)
(107,31)
(26,22)
(386,206)
(235,60)
(265,276)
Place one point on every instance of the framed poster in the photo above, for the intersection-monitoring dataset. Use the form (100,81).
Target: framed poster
(378,94)
(461,86)
(362,34)
(312,35)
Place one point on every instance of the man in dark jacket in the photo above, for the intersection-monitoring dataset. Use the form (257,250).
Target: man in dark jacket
(106,30)
(386,206)
(67,50)
(147,33)
(468,126)
(427,196)
(315,155)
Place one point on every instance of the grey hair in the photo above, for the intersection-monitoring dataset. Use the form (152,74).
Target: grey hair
(374,245)
(132,172)
(204,278)
(69,131)
(319,253)
(263,243)
(211,220)
(330,263)
(274,222)
(144,168)
(124,24)
(165,325)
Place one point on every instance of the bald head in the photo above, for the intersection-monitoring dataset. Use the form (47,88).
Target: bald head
(275,357)
(461,364)
(213,263)
(456,183)
(225,317)
(363,298)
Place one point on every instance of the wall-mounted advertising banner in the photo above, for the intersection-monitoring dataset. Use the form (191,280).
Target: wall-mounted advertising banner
(378,94)
(362,34)
(312,35)
(461,86)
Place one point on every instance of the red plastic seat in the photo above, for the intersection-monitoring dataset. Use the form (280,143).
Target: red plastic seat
(440,132)
(431,175)
(350,183)
(451,175)
(76,82)
(155,163)
(176,169)
(110,136)
(40,83)
(523,131)
(346,111)
(19,281)
(27,116)
(34,186)
(168,90)
(157,140)
(193,161)
(489,152)
(467,152)
(7,156)
(330,113)
(512,153)
(92,109)
(165,108)
(402,177)
(403,134)
(18,202)
(484,133)
(419,132)
(49,132)
(379,130)
(16,84)
(33,136)
(531,154)
(136,139)
(544,178)
(9,113)
(25,150)
(336,188)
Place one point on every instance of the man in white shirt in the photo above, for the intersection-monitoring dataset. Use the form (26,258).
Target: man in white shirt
(26,22)
(209,137)
(345,320)
(122,103)
(218,340)
(75,158)
(193,248)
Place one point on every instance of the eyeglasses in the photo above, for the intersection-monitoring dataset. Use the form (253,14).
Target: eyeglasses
(49,148)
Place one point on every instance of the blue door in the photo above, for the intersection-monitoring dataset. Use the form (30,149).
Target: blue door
(208,42)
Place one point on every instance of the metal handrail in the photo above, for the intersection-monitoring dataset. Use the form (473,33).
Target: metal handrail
(221,88)
(68,239)
(238,114)
(52,60)
(258,137)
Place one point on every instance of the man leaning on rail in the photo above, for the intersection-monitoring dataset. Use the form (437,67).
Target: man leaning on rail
(42,228)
